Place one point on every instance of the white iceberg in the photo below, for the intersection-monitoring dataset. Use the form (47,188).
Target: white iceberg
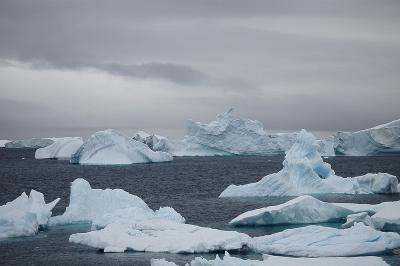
(30,143)
(87,204)
(25,215)
(304,172)
(237,136)
(379,140)
(158,143)
(270,260)
(161,236)
(319,241)
(325,146)
(111,147)
(141,136)
(361,217)
(62,148)
(3,142)
(301,210)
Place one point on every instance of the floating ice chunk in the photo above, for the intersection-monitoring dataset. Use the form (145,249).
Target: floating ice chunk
(269,260)
(304,172)
(62,148)
(25,215)
(301,210)
(382,139)
(161,236)
(3,142)
(30,143)
(111,147)
(87,204)
(319,241)
(362,217)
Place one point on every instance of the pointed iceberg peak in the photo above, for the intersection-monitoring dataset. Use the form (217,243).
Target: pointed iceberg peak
(306,148)
(228,113)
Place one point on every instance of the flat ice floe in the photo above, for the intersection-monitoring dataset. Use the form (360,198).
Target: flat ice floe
(270,260)
(304,172)
(25,215)
(161,236)
(319,241)
(379,140)
(111,147)
(62,148)
(301,210)
(30,143)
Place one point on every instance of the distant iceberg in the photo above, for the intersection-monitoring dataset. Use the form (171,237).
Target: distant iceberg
(319,241)
(25,215)
(111,147)
(161,236)
(304,172)
(30,143)
(62,148)
(379,140)
(301,210)
(3,142)
(270,260)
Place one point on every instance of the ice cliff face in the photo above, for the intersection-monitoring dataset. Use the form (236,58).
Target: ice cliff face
(379,140)
(111,147)
(62,148)
(304,172)
(3,142)
(30,143)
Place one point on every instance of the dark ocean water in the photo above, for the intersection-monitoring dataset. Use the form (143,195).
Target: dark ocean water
(191,185)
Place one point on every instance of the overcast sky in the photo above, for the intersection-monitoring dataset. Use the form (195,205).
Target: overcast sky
(73,67)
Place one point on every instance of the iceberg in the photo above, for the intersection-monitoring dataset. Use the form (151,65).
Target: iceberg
(380,140)
(301,210)
(3,142)
(30,143)
(161,236)
(25,215)
(325,146)
(141,136)
(270,260)
(304,172)
(62,148)
(87,204)
(111,147)
(319,241)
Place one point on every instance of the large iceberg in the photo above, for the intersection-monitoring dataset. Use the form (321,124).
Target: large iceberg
(270,260)
(161,236)
(62,148)
(380,140)
(30,143)
(111,147)
(319,241)
(304,172)
(301,210)
(25,215)
(3,142)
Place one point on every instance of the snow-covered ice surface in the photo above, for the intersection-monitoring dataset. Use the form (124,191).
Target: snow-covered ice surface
(87,204)
(160,235)
(3,142)
(304,172)
(270,260)
(301,210)
(141,136)
(111,147)
(319,241)
(25,215)
(379,140)
(62,148)
(30,143)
